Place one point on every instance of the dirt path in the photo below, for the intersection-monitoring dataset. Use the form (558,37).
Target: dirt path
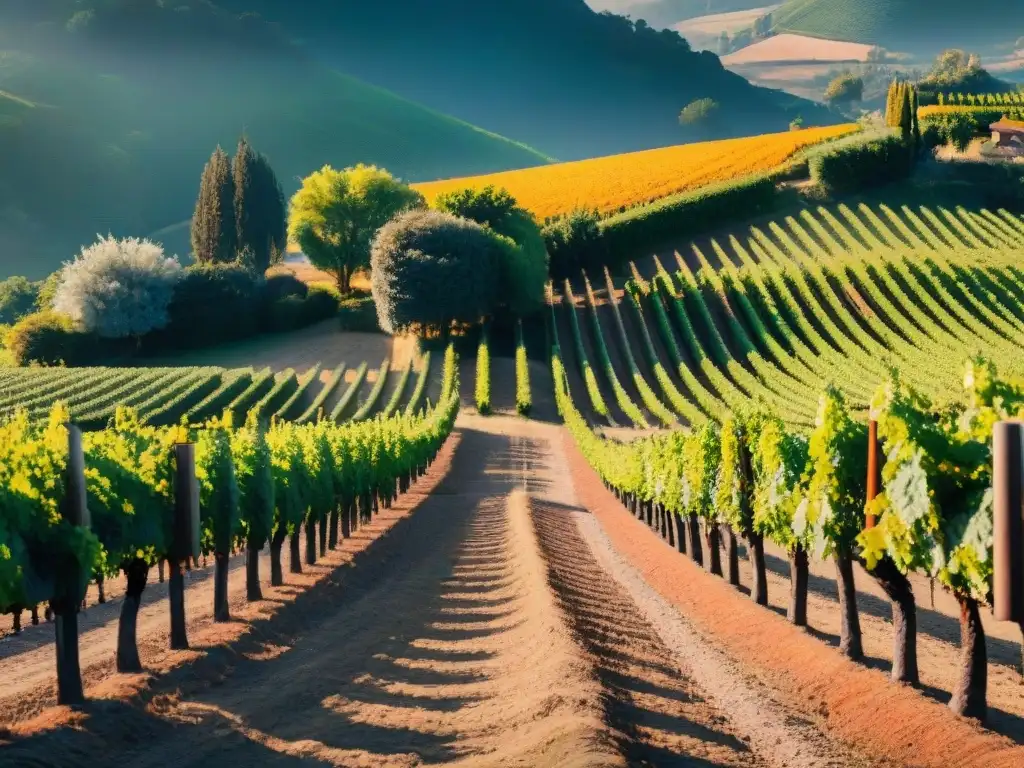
(476,629)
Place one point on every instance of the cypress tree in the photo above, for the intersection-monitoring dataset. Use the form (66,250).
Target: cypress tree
(259,206)
(915,105)
(906,117)
(213,222)
(891,106)
(270,227)
(242,174)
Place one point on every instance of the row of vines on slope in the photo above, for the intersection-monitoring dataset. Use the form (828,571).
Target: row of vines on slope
(754,476)
(259,484)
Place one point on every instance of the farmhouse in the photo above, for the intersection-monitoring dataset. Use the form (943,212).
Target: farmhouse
(1008,134)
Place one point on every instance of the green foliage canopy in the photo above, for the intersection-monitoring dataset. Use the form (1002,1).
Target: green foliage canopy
(336,214)
(430,269)
(845,89)
(524,275)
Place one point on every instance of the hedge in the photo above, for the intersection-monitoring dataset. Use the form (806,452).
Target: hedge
(214,306)
(983,116)
(861,162)
(688,214)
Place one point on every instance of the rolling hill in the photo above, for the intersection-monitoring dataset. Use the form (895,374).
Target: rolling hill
(552,73)
(105,123)
(902,25)
(665,13)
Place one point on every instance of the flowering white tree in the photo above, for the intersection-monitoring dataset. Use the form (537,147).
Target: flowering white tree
(118,288)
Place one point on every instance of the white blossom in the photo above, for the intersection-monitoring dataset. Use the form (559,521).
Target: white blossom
(118,288)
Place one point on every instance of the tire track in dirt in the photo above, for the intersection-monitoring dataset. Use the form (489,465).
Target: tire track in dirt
(660,715)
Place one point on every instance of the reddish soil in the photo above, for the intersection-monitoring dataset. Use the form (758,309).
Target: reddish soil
(476,628)
(854,703)
(27,665)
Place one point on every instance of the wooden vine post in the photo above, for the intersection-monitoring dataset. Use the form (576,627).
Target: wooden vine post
(76,512)
(185,543)
(874,471)
(1008,522)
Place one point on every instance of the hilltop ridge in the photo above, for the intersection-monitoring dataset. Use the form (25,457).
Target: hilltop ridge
(552,73)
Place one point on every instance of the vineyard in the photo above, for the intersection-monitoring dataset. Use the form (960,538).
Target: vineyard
(1014,99)
(257,486)
(613,184)
(425,564)
(772,316)
(162,397)
(768,349)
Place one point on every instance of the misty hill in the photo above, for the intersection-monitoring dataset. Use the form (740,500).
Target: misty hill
(108,113)
(665,13)
(903,25)
(551,73)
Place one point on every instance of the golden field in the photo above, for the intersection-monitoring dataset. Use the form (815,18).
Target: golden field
(610,183)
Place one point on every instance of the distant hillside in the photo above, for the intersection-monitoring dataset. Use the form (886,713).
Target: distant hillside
(665,13)
(903,25)
(553,73)
(106,122)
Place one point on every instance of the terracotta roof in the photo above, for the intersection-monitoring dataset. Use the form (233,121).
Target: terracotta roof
(1008,126)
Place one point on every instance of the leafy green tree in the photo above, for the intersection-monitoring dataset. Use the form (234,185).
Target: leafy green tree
(574,242)
(523,277)
(17,298)
(845,89)
(214,236)
(960,131)
(47,290)
(431,269)
(336,214)
(699,112)
(259,208)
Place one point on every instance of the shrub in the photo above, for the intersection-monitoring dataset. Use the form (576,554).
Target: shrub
(699,111)
(686,214)
(118,288)
(860,162)
(49,338)
(280,286)
(17,298)
(292,312)
(483,375)
(287,314)
(320,304)
(574,242)
(358,314)
(524,273)
(524,399)
(430,269)
(212,303)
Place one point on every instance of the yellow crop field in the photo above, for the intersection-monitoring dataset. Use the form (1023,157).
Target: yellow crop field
(609,183)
